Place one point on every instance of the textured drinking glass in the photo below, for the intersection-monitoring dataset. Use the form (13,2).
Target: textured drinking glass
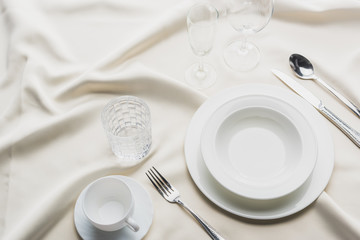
(201,23)
(127,123)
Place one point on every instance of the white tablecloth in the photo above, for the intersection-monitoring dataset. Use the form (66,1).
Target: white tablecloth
(62,61)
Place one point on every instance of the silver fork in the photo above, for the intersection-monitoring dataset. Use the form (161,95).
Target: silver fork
(173,196)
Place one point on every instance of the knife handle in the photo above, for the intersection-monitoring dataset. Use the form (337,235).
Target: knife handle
(351,133)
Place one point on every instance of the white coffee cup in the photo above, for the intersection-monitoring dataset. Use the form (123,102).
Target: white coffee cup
(109,204)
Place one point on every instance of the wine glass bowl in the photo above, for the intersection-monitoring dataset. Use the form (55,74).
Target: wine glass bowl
(247,17)
(201,26)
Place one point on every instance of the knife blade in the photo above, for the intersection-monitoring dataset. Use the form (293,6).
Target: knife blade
(351,133)
(296,87)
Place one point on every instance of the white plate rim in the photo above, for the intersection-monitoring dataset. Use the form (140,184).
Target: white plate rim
(274,209)
(277,105)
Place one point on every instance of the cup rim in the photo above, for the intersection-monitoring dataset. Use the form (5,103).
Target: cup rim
(127,213)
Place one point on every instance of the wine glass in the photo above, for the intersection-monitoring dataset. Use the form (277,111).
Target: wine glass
(247,17)
(201,23)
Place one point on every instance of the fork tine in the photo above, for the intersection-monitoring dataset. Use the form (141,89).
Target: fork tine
(157,183)
(157,188)
(160,182)
(164,180)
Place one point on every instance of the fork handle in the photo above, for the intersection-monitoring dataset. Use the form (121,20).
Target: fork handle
(210,230)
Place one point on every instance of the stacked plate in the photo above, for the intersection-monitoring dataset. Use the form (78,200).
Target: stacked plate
(259,151)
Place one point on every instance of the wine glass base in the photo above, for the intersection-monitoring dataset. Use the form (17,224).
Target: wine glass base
(200,79)
(241,58)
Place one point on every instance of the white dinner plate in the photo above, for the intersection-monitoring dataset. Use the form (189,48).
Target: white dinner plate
(259,146)
(250,208)
(143,215)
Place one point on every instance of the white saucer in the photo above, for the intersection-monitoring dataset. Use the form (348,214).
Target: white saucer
(250,208)
(259,146)
(143,215)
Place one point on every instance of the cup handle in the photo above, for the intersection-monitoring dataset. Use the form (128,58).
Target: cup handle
(132,224)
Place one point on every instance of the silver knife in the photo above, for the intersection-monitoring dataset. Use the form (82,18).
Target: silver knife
(351,133)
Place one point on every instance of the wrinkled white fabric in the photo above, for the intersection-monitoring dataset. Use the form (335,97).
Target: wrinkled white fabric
(62,61)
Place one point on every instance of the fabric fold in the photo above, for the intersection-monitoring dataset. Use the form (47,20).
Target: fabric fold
(341,223)
(163,26)
(56,82)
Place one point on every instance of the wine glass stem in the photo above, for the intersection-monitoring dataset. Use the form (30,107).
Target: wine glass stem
(243,43)
(201,64)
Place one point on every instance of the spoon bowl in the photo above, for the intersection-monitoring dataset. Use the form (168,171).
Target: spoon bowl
(301,66)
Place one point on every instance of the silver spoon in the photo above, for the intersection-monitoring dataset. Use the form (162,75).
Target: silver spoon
(305,70)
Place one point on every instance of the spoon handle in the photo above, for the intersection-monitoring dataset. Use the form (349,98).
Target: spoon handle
(349,104)
(351,133)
